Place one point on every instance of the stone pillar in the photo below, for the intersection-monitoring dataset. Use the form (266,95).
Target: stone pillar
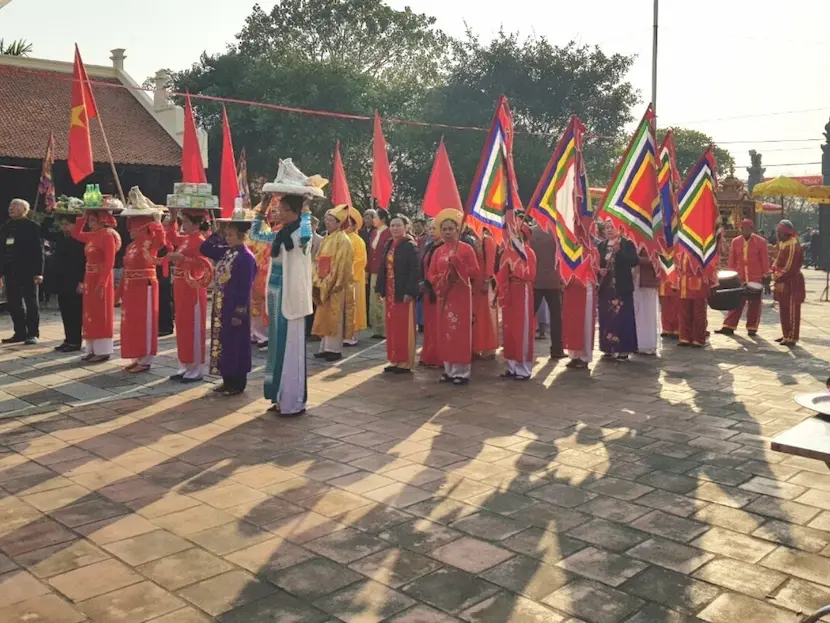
(755,170)
(117,58)
(161,101)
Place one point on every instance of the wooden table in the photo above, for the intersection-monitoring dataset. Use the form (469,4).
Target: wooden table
(810,439)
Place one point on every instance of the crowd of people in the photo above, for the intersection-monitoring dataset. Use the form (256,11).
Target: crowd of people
(277,283)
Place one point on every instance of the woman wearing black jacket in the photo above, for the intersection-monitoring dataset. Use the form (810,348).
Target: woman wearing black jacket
(398,283)
(69,266)
(617,326)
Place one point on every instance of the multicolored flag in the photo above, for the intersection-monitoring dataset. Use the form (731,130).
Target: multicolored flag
(82,102)
(665,218)
(698,215)
(242,180)
(560,203)
(632,196)
(382,185)
(46,187)
(494,191)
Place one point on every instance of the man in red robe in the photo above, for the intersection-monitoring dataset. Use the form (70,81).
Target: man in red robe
(748,257)
(694,293)
(789,290)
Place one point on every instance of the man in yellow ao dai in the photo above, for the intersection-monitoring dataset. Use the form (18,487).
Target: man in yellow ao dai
(333,290)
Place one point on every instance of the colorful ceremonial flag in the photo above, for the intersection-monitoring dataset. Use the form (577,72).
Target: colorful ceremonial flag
(193,170)
(82,102)
(242,180)
(442,191)
(494,191)
(666,219)
(340,194)
(560,203)
(46,187)
(228,179)
(632,196)
(381,174)
(698,215)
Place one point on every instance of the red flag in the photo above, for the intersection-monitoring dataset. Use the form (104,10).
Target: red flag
(83,107)
(339,186)
(193,170)
(228,181)
(381,174)
(442,191)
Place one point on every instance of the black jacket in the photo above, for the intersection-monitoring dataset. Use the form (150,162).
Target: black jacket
(68,260)
(26,259)
(407,270)
(626,259)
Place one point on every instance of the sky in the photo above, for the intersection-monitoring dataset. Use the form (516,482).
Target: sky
(751,77)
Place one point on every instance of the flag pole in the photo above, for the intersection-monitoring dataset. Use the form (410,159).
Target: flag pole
(112,162)
(654,61)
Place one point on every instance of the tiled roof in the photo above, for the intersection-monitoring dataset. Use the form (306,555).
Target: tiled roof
(34,103)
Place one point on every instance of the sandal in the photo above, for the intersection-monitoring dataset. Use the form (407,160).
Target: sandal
(445,378)
(508,375)
(580,365)
(129,368)
(138,369)
(99,358)
(219,389)
(89,356)
(460,381)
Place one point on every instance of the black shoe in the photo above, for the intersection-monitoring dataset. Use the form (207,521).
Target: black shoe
(186,380)
(177,378)
(378,337)
(508,375)
(391,369)
(31,341)
(71,348)
(219,388)
(684,344)
(752,333)
(558,355)
(297,414)
(61,348)
(332,357)
(15,339)
(320,355)
(165,333)
(725,331)
(460,381)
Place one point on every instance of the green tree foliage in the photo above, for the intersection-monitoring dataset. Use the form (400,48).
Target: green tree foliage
(21,47)
(690,146)
(358,56)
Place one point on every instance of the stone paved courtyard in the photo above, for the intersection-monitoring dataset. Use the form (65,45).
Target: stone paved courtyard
(643,492)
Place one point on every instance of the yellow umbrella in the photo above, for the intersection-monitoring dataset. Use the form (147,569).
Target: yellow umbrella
(780,187)
(818,194)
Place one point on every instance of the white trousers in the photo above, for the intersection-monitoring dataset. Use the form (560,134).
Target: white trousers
(102,346)
(587,354)
(457,370)
(191,370)
(334,343)
(293,382)
(519,368)
(646,307)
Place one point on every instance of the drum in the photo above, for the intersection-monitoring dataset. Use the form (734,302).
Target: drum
(728,280)
(726,299)
(754,290)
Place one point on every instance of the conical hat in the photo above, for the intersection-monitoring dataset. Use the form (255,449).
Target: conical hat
(291,181)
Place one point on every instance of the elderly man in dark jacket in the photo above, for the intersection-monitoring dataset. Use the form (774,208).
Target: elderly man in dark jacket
(548,286)
(21,268)
(68,278)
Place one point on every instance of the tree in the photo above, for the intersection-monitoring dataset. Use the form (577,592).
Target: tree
(690,146)
(21,47)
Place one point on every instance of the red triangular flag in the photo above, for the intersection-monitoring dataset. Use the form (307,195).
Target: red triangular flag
(442,191)
(83,108)
(228,182)
(381,174)
(339,186)
(193,170)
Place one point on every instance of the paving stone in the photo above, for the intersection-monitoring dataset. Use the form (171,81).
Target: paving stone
(783,509)
(731,607)
(773,488)
(669,482)
(675,590)
(672,503)
(509,608)
(652,612)
(399,495)
(421,614)
(345,546)
(334,502)
(229,537)
(471,554)
(366,601)
(797,537)
(395,567)
(449,589)
(815,497)
(719,494)
(35,535)
(278,607)
(314,578)
(801,596)
(45,608)
(614,510)
(57,559)
(193,520)
(88,512)
(548,546)
(606,567)
(621,489)
(183,615)
(734,545)
(669,554)
(267,557)
(93,580)
(184,568)
(489,526)
(443,510)
(609,535)
(735,519)
(226,591)
(741,577)
(139,602)
(811,567)
(16,586)
(552,517)
(116,529)
(147,547)
(593,602)
(562,495)
(528,576)
(420,535)
(304,527)
(669,526)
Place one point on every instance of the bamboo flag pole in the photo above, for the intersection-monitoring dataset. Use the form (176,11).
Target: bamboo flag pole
(112,162)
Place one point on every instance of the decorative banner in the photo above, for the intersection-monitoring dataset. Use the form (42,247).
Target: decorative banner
(442,190)
(632,197)
(244,189)
(382,185)
(561,203)
(666,222)
(193,169)
(228,177)
(698,212)
(340,195)
(494,190)
(46,187)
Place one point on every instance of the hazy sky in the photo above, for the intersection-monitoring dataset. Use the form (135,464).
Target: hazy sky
(751,77)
